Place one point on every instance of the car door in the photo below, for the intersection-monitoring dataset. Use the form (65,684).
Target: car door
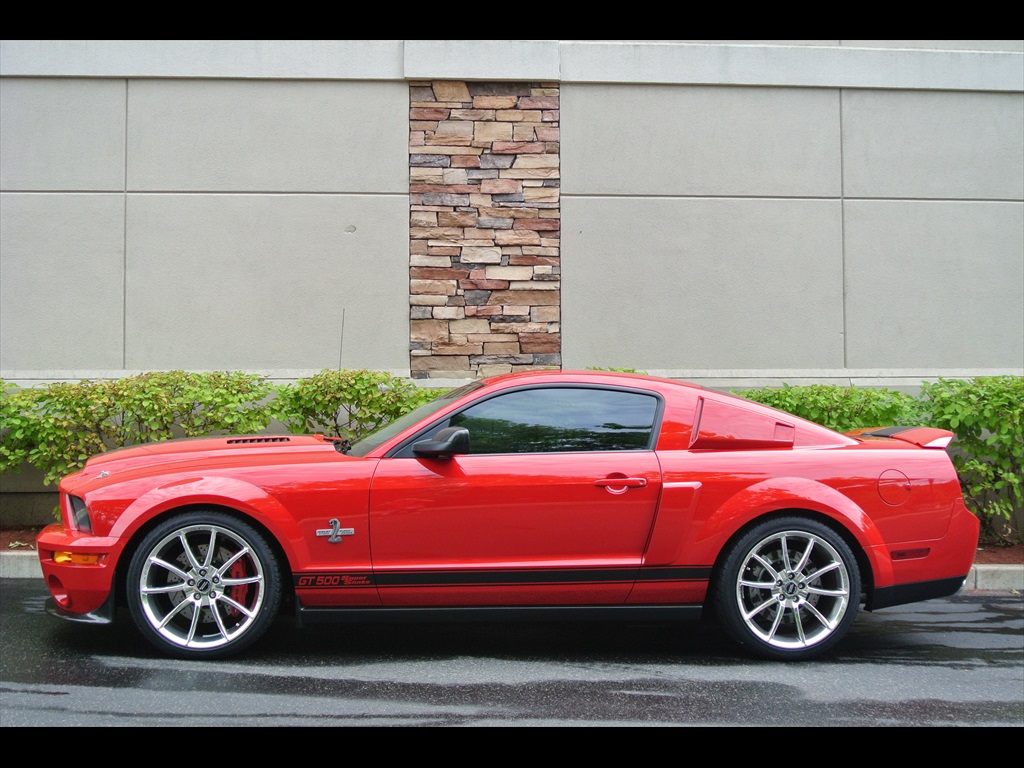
(553,503)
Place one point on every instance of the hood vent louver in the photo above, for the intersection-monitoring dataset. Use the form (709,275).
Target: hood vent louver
(251,440)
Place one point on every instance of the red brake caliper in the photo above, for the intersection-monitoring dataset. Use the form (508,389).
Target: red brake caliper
(240,592)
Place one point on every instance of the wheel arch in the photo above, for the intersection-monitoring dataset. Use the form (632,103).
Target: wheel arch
(137,536)
(864,563)
(808,498)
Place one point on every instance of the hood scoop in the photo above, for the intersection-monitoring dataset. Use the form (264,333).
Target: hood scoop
(252,440)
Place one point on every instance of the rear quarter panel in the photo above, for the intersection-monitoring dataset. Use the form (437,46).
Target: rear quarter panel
(711,495)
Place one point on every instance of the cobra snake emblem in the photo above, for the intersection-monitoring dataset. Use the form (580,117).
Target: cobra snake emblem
(335,530)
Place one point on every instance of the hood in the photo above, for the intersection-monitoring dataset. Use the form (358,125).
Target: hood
(221,451)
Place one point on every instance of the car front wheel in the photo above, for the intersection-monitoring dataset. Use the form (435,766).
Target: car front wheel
(203,585)
(788,589)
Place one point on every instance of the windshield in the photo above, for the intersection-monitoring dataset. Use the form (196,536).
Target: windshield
(385,433)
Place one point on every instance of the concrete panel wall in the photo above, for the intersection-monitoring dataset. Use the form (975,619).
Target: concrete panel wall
(940,145)
(246,218)
(941,45)
(61,280)
(481,59)
(701,284)
(267,136)
(267,282)
(291,59)
(908,233)
(199,164)
(693,140)
(935,284)
(59,134)
(982,65)
(811,66)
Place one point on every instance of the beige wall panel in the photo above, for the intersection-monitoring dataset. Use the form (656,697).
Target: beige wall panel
(267,282)
(753,42)
(1013,46)
(268,136)
(696,140)
(291,59)
(939,45)
(481,59)
(61,268)
(657,283)
(789,66)
(933,145)
(61,134)
(935,284)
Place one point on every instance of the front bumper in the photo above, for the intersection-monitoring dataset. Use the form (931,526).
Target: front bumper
(102,615)
(82,592)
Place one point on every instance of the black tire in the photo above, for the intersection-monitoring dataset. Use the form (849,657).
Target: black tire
(203,585)
(788,589)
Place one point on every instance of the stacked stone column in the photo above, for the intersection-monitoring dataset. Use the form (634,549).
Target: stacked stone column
(484,268)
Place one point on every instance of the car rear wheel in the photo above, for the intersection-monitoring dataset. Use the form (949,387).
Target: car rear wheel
(203,585)
(788,589)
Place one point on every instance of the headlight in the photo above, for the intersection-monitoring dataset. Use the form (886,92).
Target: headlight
(80,514)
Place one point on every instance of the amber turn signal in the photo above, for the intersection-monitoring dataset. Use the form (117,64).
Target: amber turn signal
(75,559)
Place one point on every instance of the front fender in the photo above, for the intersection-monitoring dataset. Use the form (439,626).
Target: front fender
(232,493)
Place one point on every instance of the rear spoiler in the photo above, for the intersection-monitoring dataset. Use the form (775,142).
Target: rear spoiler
(922,437)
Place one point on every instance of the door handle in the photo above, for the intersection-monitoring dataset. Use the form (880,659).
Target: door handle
(620,484)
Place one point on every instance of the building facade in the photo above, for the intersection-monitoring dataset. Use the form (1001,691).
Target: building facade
(735,213)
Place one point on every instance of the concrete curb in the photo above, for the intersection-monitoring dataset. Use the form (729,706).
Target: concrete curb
(982,578)
(20,565)
(995,578)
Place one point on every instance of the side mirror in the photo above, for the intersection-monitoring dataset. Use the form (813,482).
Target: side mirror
(446,443)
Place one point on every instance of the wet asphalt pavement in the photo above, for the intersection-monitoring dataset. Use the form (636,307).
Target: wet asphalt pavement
(950,662)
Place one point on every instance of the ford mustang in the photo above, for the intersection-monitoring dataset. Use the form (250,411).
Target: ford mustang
(554,495)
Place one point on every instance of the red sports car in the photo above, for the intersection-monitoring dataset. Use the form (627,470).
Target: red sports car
(540,495)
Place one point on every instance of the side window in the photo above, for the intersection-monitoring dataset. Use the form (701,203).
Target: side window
(560,419)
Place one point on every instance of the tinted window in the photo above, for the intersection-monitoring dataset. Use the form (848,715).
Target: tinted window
(370,442)
(560,419)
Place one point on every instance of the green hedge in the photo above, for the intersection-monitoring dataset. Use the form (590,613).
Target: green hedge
(348,404)
(986,414)
(56,427)
(839,408)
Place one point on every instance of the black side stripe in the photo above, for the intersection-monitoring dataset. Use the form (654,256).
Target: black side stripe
(485,578)
(674,574)
(551,577)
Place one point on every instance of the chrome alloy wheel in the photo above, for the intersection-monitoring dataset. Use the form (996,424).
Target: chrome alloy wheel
(793,589)
(201,587)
